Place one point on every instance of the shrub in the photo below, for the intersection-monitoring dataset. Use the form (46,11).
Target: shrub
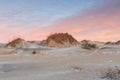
(118,42)
(34,52)
(109,43)
(111,74)
(89,46)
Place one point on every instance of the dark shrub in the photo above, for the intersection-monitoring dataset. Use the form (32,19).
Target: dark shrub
(111,74)
(34,52)
(118,42)
(89,46)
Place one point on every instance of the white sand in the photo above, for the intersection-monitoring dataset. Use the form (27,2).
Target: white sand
(71,63)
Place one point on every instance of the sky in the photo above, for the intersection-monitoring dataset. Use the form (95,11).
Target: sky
(97,20)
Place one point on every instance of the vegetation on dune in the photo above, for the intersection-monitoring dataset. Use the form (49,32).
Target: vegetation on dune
(107,43)
(61,39)
(34,52)
(111,74)
(113,43)
(89,46)
(118,42)
(14,43)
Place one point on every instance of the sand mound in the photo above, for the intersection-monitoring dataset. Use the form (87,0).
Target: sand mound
(61,40)
(15,43)
(20,43)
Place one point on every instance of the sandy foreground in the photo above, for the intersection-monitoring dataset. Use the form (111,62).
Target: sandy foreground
(59,64)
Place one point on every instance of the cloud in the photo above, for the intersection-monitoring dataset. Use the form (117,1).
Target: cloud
(99,23)
(93,23)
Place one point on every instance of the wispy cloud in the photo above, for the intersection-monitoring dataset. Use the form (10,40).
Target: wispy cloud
(97,20)
(93,22)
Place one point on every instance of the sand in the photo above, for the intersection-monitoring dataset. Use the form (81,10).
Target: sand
(71,63)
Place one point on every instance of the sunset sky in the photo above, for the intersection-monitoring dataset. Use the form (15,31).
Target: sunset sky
(97,20)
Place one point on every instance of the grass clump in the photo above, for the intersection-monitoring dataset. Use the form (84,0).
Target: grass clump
(111,74)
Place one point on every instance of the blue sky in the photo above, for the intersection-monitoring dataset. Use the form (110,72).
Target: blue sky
(43,12)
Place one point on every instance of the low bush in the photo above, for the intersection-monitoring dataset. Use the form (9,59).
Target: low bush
(34,52)
(111,74)
(89,46)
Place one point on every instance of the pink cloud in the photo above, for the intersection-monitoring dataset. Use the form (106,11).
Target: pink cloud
(98,24)
(86,26)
